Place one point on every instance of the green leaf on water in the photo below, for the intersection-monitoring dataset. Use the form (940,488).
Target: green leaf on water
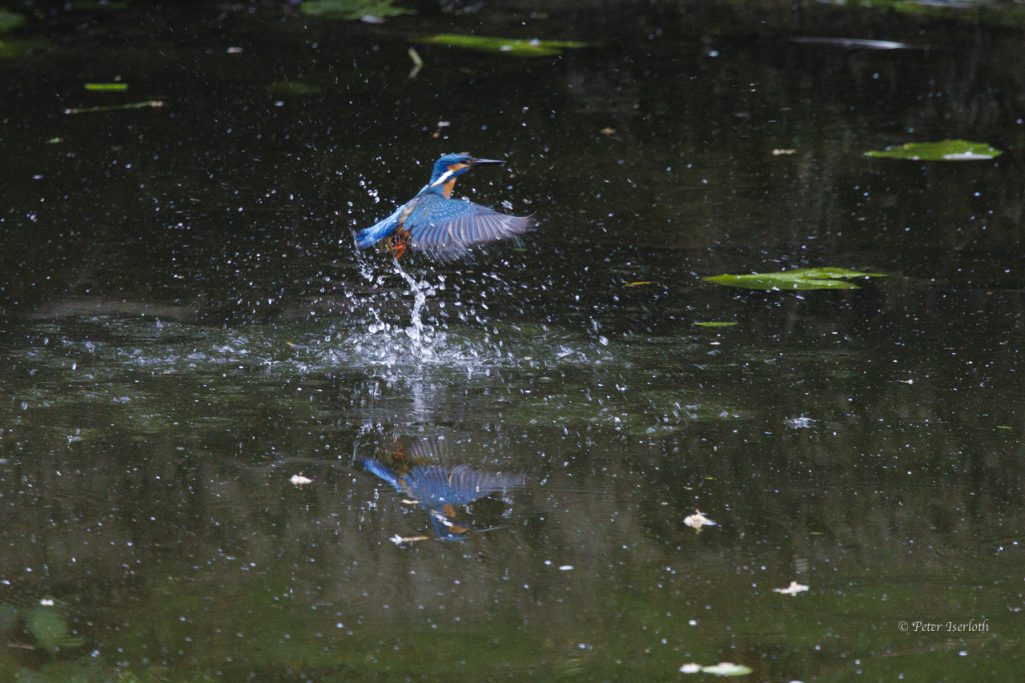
(106,87)
(10,20)
(351,9)
(49,627)
(515,47)
(15,48)
(717,323)
(945,150)
(293,88)
(801,278)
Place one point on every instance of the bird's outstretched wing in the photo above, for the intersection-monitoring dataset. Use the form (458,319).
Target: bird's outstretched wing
(447,228)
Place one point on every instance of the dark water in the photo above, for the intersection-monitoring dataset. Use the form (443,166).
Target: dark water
(185,327)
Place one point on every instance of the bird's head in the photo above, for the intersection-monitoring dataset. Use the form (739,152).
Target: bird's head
(451,166)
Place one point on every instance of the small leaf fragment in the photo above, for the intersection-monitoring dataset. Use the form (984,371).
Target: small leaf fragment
(106,87)
(698,520)
(793,589)
(727,669)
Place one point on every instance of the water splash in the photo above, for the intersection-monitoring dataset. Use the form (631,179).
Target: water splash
(422,336)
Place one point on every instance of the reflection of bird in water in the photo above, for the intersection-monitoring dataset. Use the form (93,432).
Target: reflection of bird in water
(437,487)
(436,224)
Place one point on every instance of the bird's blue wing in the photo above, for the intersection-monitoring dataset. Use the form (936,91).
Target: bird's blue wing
(368,237)
(437,486)
(447,228)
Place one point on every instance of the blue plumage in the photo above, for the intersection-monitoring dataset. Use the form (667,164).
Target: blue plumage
(439,226)
(439,487)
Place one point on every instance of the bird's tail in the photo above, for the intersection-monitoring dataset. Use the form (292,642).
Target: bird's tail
(368,237)
(379,469)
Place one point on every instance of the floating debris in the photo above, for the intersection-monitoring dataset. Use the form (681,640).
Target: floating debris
(368,11)
(10,20)
(515,47)
(300,480)
(727,669)
(399,540)
(639,283)
(698,520)
(691,668)
(799,422)
(716,323)
(418,62)
(608,131)
(293,88)
(793,589)
(944,150)
(148,104)
(234,50)
(106,87)
(856,43)
(783,151)
(800,278)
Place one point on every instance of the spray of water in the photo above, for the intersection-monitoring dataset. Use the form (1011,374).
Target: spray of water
(421,335)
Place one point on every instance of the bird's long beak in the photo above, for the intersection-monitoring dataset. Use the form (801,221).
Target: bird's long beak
(484,162)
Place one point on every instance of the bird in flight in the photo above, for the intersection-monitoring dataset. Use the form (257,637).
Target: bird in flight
(437,225)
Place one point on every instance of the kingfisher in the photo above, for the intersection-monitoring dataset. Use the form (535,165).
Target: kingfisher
(437,487)
(439,226)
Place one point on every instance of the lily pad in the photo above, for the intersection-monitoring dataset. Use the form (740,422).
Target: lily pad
(10,20)
(49,626)
(106,87)
(293,88)
(716,323)
(801,278)
(945,150)
(351,9)
(515,47)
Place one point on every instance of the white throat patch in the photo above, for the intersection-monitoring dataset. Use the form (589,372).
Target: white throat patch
(442,178)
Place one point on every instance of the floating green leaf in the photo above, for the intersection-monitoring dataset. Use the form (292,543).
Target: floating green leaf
(1008,14)
(15,48)
(718,323)
(106,87)
(351,9)
(49,626)
(10,20)
(945,150)
(515,47)
(293,88)
(801,278)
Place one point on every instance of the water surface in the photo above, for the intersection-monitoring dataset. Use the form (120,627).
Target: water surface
(186,327)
